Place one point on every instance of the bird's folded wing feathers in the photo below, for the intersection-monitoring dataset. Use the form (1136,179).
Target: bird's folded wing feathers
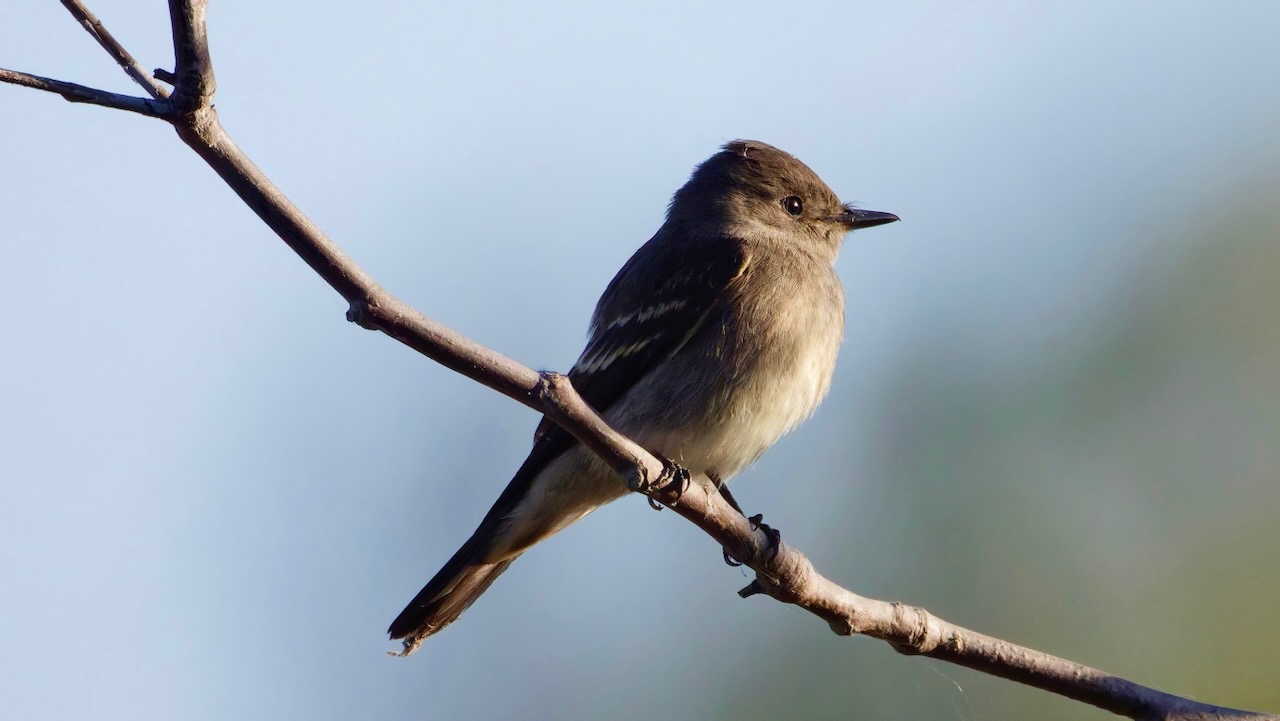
(635,328)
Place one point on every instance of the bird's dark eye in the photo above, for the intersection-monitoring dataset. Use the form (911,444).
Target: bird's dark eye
(793,205)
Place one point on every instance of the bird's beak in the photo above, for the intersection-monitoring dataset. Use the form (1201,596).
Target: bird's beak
(854,218)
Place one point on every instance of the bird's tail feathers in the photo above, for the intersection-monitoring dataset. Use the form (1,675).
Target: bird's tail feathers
(450,592)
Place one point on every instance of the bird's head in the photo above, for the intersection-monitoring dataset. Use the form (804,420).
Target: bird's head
(753,189)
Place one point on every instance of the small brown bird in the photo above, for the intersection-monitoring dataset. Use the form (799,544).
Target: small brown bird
(714,340)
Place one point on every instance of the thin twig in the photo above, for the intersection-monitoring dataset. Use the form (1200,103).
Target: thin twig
(782,572)
(108,42)
(83,94)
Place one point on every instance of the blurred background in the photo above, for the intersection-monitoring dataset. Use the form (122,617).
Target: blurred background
(1056,417)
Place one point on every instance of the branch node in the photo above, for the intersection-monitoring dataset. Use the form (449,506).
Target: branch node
(551,389)
(164,76)
(361,314)
(551,386)
(923,635)
(752,589)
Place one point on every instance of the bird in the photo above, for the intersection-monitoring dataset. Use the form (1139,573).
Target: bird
(715,339)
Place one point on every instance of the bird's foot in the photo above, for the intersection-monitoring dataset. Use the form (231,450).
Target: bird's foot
(673,474)
(775,536)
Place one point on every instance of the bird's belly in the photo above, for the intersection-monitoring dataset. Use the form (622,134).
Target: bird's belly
(764,395)
(774,399)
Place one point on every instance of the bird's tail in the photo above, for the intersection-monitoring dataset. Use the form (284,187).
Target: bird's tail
(495,544)
(450,592)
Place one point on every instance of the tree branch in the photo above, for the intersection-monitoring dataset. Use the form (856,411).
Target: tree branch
(94,27)
(193,80)
(785,574)
(782,572)
(83,94)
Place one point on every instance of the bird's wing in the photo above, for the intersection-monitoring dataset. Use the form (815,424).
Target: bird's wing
(659,299)
(655,304)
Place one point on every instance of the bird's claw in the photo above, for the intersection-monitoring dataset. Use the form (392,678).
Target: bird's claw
(672,474)
(774,535)
(758,524)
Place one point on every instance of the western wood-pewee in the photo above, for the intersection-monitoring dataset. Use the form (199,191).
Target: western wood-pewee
(716,338)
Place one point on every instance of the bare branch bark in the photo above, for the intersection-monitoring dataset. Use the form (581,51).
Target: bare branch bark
(108,42)
(82,94)
(192,68)
(782,572)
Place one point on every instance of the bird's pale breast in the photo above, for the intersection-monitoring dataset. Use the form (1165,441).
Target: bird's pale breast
(771,354)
